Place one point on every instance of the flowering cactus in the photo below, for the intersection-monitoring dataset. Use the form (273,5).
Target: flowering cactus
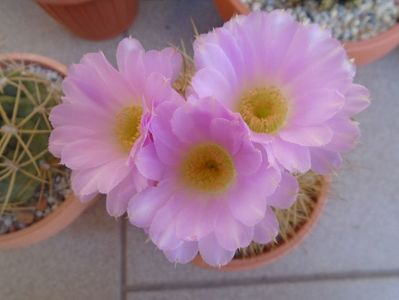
(269,98)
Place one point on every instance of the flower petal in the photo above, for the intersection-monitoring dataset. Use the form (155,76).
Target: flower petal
(313,136)
(286,193)
(61,136)
(158,89)
(130,59)
(183,254)
(317,106)
(100,179)
(247,201)
(266,230)
(148,164)
(194,222)
(248,159)
(346,134)
(325,162)
(231,234)
(163,227)
(190,125)
(81,115)
(99,79)
(228,133)
(212,55)
(144,205)
(212,253)
(117,200)
(292,157)
(167,62)
(88,153)
(208,82)
(357,99)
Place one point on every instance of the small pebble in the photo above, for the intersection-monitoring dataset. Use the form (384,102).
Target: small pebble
(18,225)
(38,214)
(7,220)
(51,200)
(4,228)
(47,211)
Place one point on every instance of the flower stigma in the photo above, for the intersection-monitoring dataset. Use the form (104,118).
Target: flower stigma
(264,109)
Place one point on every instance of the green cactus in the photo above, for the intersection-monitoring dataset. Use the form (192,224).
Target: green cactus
(26,166)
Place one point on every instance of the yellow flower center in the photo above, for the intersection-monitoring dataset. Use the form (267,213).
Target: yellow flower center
(264,109)
(127,127)
(208,168)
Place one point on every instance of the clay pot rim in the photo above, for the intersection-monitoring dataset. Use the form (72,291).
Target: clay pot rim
(263,259)
(70,208)
(56,221)
(380,38)
(46,62)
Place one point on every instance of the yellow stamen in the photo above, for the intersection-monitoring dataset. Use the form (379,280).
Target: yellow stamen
(127,127)
(208,168)
(264,109)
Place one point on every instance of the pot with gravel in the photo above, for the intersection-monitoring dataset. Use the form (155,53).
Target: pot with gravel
(35,196)
(92,19)
(369,29)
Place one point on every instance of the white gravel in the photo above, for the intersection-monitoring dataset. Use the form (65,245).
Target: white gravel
(347,22)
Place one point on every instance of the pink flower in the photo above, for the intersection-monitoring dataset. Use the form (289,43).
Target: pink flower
(214,186)
(104,119)
(292,84)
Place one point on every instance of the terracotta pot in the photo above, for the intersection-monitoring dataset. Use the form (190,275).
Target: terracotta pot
(363,52)
(93,19)
(277,252)
(70,209)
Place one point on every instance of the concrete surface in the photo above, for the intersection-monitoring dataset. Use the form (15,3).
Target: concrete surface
(351,254)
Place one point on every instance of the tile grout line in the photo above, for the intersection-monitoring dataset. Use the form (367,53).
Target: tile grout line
(123,237)
(383,274)
(123,259)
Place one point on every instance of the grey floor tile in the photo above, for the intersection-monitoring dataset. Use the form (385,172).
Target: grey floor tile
(359,227)
(81,263)
(161,22)
(386,289)
(25,27)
